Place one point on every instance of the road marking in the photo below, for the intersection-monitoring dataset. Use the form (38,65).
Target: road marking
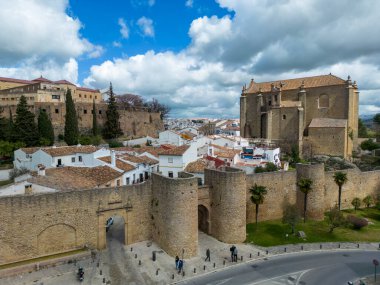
(273,279)
(220,282)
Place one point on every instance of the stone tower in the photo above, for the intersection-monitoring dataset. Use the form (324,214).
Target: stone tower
(228,204)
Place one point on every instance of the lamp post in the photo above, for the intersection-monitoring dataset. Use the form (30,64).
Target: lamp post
(376,263)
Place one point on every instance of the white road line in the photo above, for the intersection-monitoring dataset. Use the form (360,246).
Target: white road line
(273,278)
(299,277)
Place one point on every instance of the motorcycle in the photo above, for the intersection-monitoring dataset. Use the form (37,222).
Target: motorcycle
(80,274)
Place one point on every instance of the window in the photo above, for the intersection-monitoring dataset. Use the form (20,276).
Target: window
(85,96)
(96,97)
(56,111)
(170,159)
(284,117)
(85,111)
(90,96)
(127,181)
(80,158)
(56,97)
(73,159)
(170,174)
(118,182)
(323,101)
(100,112)
(80,95)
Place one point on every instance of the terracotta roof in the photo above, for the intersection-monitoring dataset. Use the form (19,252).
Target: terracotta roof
(63,81)
(42,79)
(328,123)
(225,152)
(88,89)
(125,166)
(197,166)
(67,150)
(291,84)
(139,159)
(74,178)
(178,151)
(6,79)
(30,150)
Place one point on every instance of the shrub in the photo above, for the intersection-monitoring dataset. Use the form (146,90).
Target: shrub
(259,169)
(114,143)
(357,222)
(270,167)
(356,202)
(136,146)
(368,201)
(85,140)
(369,145)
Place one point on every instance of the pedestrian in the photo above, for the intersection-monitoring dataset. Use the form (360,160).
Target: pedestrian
(208,255)
(180,266)
(232,253)
(235,254)
(176,261)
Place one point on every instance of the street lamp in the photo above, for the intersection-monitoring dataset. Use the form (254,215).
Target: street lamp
(376,263)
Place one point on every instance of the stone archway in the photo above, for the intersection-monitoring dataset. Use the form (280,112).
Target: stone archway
(102,221)
(203,219)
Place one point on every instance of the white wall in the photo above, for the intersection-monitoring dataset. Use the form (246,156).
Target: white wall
(169,137)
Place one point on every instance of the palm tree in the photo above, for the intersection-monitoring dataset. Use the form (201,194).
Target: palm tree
(340,178)
(305,187)
(257,196)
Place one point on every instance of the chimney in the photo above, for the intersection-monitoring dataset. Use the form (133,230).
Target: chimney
(113,158)
(28,189)
(41,170)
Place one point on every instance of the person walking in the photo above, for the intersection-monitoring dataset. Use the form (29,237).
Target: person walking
(232,248)
(180,266)
(176,261)
(235,254)
(208,255)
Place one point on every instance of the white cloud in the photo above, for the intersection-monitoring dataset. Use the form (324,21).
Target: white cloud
(189,3)
(117,44)
(146,26)
(124,30)
(262,39)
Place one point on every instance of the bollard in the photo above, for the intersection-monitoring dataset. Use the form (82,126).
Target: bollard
(214,264)
(97,264)
(285,249)
(131,249)
(172,276)
(301,247)
(267,252)
(136,255)
(338,245)
(320,246)
(241,258)
(358,245)
(250,255)
(140,262)
(195,270)
(153,255)
(204,267)
(258,253)
(104,280)
(224,262)
(101,272)
(157,271)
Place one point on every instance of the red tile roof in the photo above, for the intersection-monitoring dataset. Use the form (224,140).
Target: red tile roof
(291,84)
(6,79)
(63,81)
(119,163)
(42,79)
(177,151)
(88,89)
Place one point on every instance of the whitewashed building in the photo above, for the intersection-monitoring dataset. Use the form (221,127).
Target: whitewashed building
(172,161)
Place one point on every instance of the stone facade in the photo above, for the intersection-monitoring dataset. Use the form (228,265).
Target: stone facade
(133,122)
(282,112)
(166,210)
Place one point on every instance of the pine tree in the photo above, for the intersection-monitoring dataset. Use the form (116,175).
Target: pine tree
(24,128)
(3,129)
(71,121)
(95,130)
(111,127)
(45,129)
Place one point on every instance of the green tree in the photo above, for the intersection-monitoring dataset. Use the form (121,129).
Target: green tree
(4,128)
(376,118)
(305,187)
(291,216)
(294,155)
(7,148)
(71,121)
(340,179)
(356,202)
(362,129)
(111,128)
(335,219)
(369,145)
(45,128)
(95,130)
(368,201)
(257,197)
(24,128)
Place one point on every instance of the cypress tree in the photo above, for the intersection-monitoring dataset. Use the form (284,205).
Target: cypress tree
(95,130)
(3,129)
(24,128)
(45,128)
(71,121)
(111,127)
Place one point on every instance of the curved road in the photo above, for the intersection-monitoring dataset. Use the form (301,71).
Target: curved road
(312,268)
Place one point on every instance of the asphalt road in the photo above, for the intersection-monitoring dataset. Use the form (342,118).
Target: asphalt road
(327,268)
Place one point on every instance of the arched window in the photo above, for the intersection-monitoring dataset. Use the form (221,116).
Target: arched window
(284,117)
(323,101)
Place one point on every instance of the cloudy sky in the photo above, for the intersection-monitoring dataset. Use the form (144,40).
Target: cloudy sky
(193,55)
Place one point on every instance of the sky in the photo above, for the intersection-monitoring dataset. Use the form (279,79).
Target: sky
(193,55)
